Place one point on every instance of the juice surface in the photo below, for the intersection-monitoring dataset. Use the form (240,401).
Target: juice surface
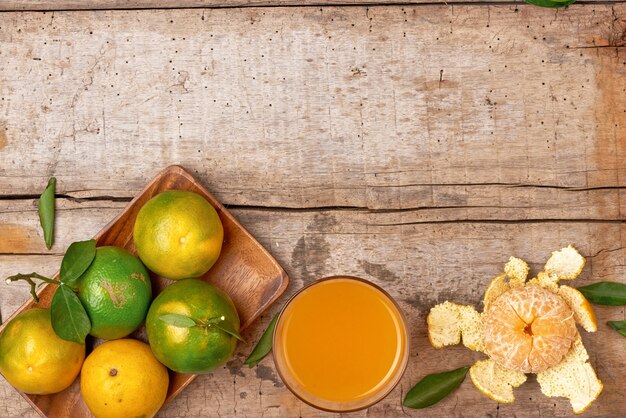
(342,340)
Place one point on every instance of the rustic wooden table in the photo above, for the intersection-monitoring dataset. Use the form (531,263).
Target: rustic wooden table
(415,145)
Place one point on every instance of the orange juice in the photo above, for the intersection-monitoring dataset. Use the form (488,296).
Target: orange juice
(341,344)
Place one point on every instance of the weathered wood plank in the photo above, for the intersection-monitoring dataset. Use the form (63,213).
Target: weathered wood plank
(34,5)
(418,264)
(325,107)
(343,148)
(21,233)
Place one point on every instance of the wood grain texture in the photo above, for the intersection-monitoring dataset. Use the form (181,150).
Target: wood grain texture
(299,108)
(420,265)
(415,146)
(34,5)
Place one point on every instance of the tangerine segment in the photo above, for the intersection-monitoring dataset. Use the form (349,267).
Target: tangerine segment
(528,329)
(495,381)
(573,378)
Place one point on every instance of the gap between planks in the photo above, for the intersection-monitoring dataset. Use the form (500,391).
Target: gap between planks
(74,6)
(355,208)
(68,195)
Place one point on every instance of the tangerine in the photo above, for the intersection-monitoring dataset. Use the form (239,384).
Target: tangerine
(196,349)
(34,359)
(116,292)
(528,329)
(121,379)
(178,234)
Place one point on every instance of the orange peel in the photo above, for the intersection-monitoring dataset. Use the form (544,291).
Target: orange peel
(495,381)
(498,286)
(566,263)
(557,381)
(583,312)
(527,326)
(548,281)
(517,270)
(450,323)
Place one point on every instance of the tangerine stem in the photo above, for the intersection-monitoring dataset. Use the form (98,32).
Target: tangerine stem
(29,279)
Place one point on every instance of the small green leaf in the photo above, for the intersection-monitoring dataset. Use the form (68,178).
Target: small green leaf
(180,321)
(550,3)
(605,293)
(227,327)
(264,346)
(76,260)
(617,325)
(69,319)
(46,212)
(434,387)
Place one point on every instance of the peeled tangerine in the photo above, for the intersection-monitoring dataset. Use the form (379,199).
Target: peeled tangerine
(526,327)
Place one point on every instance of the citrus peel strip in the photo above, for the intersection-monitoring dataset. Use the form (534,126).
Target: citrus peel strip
(496,381)
(573,378)
(450,323)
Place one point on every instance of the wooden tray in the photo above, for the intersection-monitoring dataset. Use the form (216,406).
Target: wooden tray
(245,270)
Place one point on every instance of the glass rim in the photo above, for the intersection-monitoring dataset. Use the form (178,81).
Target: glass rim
(377,396)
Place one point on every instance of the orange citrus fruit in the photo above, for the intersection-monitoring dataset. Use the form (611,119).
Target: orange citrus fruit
(529,329)
(121,379)
(116,293)
(178,234)
(34,359)
(195,349)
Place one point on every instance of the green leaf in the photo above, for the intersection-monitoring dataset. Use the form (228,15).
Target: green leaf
(550,3)
(180,321)
(69,319)
(617,325)
(76,260)
(46,212)
(227,327)
(605,293)
(264,346)
(434,387)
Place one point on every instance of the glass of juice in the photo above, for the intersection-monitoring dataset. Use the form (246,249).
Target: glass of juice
(341,344)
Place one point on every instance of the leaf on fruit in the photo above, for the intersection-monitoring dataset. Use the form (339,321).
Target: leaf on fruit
(227,327)
(77,260)
(180,321)
(68,316)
